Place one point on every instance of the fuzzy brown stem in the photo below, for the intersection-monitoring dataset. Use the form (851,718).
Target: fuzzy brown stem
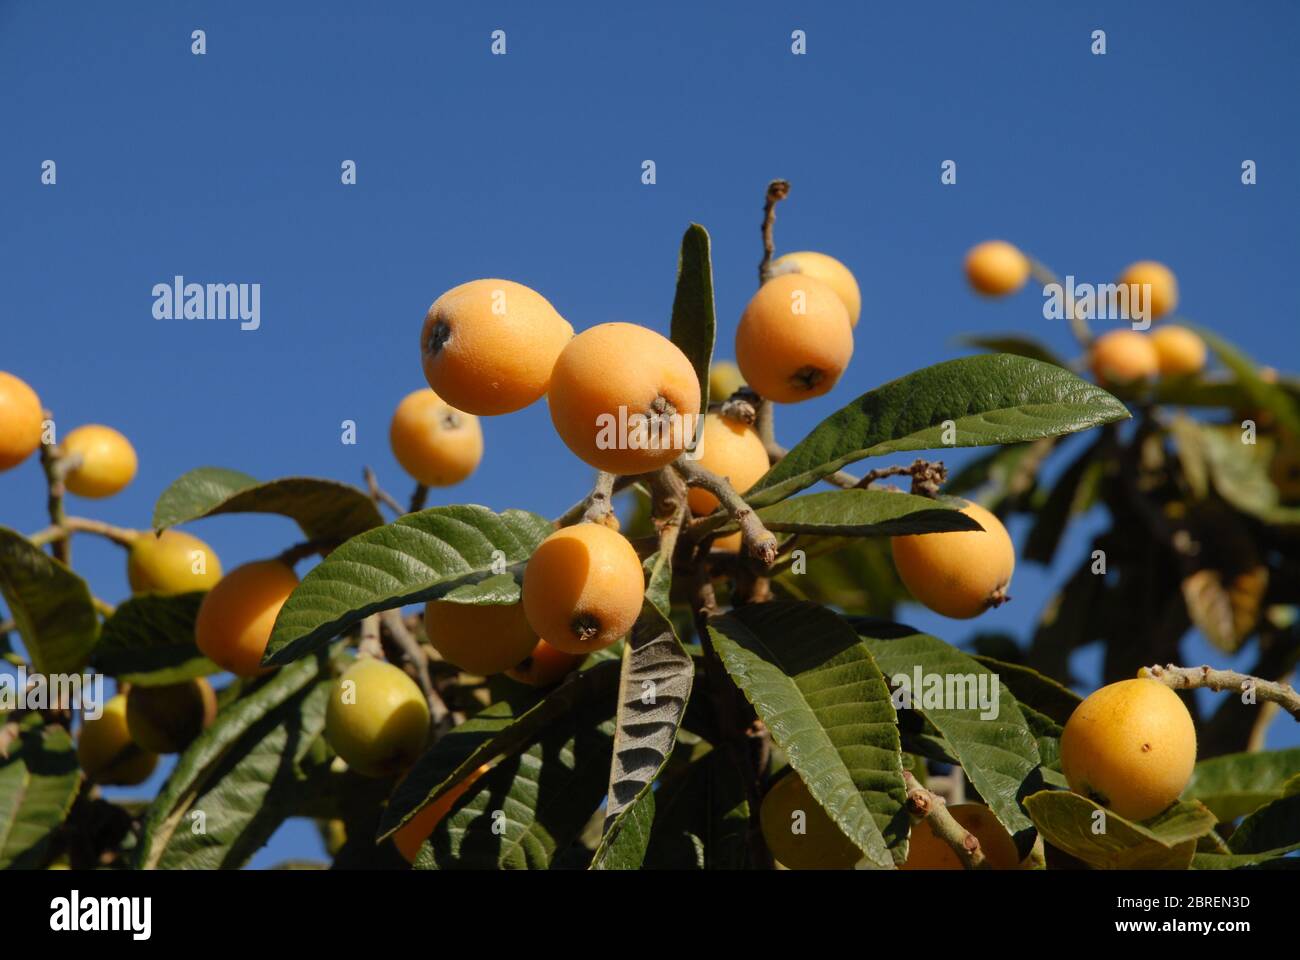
(1190,678)
(761,542)
(922,804)
(777,191)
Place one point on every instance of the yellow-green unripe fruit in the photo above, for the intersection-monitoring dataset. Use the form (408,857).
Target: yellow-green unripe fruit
(996,268)
(434,442)
(724,380)
(794,340)
(958,574)
(172,563)
(167,718)
(927,851)
(482,638)
(624,398)
(107,753)
(730,449)
(108,462)
(21,420)
(488,346)
(1156,288)
(377,719)
(583,588)
(1179,351)
(800,834)
(829,271)
(1130,746)
(1123,357)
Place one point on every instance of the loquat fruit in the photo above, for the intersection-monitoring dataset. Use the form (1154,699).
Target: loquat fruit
(545,666)
(1131,747)
(624,398)
(794,340)
(583,588)
(958,574)
(106,751)
(412,834)
(434,442)
(1123,357)
(1179,351)
(171,563)
(108,461)
(167,718)
(236,617)
(724,380)
(799,833)
(829,271)
(1156,288)
(996,268)
(377,719)
(481,638)
(21,421)
(488,346)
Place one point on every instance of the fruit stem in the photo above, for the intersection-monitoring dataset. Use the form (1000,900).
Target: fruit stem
(122,536)
(406,641)
(925,805)
(379,494)
(419,496)
(777,191)
(1191,678)
(56,468)
(1078,323)
(760,540)
(579,510)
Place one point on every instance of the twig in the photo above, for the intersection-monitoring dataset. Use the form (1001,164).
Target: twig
(760,540)
(1078,323)
(298,551)
(56,468)
(924,805)
(419,496)
(927,476)
(406,641)
(368,644)
(379,495)
(122,536)
(1190,678)
(777,191)
(668,492)
(599,501)
(579,510)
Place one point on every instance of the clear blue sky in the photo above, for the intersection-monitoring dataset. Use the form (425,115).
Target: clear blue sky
(225,168)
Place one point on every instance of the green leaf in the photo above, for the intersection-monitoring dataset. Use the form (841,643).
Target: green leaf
(1267,396)
(1016,344)
(1240,783)
(693,323)
(532,805)
(854,575)
(659,582)
(1004,475)
(865,513)
(1240,473)
(325,509)
(251,734)
(50,605)
(819,692)
(991,399)
(1238,861)
(38,782)
(1035,690)
(505,727)
(149,640)
(470,550)
(998,752)
(654,687)
(1274,825)
(1167,842)
(702,820)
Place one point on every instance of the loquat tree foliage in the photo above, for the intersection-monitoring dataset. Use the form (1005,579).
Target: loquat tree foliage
(719,680)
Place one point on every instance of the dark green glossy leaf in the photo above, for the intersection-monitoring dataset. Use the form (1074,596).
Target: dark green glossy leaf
(50,605)
(1106,840)
(1240,783)
(38,782)
(693,320)
(149,640)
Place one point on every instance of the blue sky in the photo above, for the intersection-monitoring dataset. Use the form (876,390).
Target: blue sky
(226,168)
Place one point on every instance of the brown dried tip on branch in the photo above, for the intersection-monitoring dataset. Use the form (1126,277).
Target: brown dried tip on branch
(1190,678)
(927,477)
(924,805)
(777,191)
(760,541)
(742,406)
